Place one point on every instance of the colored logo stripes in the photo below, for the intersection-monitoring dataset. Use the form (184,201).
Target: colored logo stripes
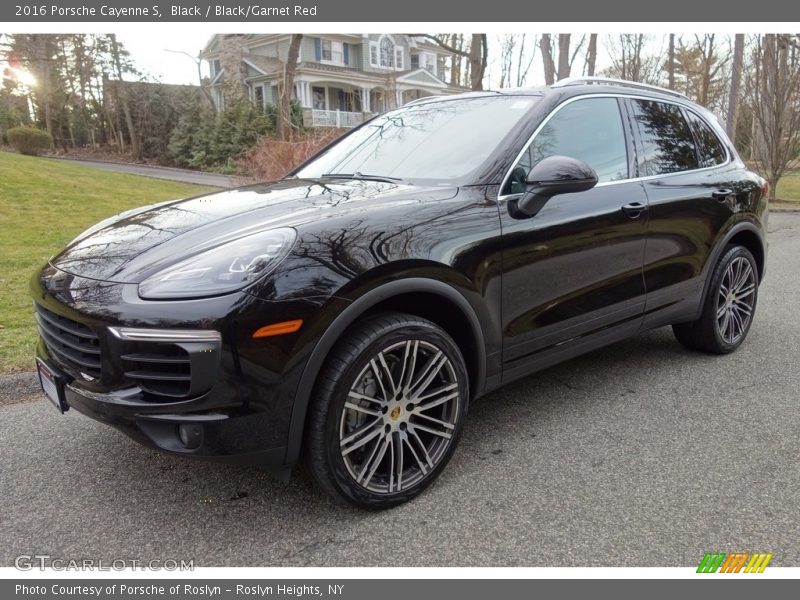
(734,562)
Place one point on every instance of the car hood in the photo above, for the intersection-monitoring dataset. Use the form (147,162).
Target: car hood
(129,247)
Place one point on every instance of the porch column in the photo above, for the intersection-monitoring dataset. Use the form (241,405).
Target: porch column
(399,97)
(305,94)
(365,100)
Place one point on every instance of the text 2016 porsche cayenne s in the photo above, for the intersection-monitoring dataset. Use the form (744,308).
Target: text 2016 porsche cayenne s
(349,312)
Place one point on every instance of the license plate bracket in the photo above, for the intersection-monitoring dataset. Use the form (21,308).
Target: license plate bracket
(52,385)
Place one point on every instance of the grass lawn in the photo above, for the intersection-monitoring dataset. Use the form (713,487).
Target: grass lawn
(789,188)
(45,203)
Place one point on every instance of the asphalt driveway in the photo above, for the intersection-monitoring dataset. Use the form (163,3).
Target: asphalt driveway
(641,454)
(170,173)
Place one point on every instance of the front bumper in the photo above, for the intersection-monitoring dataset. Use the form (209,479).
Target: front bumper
(229,433)
(242,415)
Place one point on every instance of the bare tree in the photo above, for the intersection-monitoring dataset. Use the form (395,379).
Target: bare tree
(525,59)
(629,60)
(477,55)
(564,60)
(516,59)
(198,63)
(563,55)
(545,44)
(133,134)
(455,41)
(671,62)
(775,105)
(591,55)
(736,80)
(284,117)
(701,70)
(478,58)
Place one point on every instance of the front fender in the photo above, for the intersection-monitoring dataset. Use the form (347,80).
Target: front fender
(349,315)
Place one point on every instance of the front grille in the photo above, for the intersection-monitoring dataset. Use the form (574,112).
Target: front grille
(162,369)
(73,345)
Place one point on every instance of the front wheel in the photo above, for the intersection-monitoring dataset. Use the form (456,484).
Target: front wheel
(388,411)
(729,306)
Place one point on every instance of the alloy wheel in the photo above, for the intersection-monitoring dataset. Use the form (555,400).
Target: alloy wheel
(399,417)
(736,299)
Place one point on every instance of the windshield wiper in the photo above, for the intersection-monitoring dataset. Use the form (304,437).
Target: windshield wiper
(358,175)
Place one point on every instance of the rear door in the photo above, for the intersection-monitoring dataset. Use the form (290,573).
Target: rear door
(691,187)
(575,268)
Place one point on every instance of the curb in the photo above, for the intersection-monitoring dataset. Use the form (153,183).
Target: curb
(18,387)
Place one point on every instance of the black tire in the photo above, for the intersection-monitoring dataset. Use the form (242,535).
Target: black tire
(349,372)
(706,334)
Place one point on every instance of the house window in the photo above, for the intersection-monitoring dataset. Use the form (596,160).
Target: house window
(430,62)
(332,52)
(258,96)
(386,53)
(415,61)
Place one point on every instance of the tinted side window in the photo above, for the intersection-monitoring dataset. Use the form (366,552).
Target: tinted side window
(589,130)
(667,142)
(709,147)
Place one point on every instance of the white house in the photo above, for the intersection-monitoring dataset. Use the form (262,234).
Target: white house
(341,79)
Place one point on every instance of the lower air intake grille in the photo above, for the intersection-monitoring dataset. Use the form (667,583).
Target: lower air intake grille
(71,344)
(163,369)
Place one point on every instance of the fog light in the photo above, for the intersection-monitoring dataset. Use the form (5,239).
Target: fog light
(191,435)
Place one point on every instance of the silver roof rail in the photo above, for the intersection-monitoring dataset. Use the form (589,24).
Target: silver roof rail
(611,81)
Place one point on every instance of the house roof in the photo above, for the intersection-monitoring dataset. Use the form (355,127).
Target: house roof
(422,43)
(267,65)
(422,77)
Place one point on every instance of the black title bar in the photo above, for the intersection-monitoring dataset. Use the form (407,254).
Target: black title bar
(361,11)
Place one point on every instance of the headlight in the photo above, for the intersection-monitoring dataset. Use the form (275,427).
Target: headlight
(222,269)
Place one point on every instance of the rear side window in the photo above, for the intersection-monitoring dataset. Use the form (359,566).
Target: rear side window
(709,147)
(589,130)
(667,142)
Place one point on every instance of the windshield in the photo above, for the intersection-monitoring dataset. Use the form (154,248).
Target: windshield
(440,141)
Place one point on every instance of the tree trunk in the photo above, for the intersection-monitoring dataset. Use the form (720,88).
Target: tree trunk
(45,85)
(284,121)
(136,149)
(477,57)
(455,70)
(671,62)
(564,66)
(736,79)
(478,54)
(547,59)
(591,55)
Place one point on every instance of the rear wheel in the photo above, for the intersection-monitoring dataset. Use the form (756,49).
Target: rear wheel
(387,412)
(729,306)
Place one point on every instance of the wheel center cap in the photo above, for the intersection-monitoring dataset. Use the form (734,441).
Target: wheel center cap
(395,414)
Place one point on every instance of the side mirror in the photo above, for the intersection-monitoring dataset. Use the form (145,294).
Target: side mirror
(550,177)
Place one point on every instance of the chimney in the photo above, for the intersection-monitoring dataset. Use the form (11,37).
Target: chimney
(232,49)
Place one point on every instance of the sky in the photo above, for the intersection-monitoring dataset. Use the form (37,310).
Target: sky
(162,56)
(152,57)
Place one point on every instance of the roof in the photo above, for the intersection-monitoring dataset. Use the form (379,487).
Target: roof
(266,64)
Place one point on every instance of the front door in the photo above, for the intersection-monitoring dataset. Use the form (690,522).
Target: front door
(574,269)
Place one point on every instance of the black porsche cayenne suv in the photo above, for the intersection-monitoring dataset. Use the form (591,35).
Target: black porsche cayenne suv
(349,312)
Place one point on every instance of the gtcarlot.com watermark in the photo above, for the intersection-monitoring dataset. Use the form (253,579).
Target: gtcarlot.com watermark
(43,562)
